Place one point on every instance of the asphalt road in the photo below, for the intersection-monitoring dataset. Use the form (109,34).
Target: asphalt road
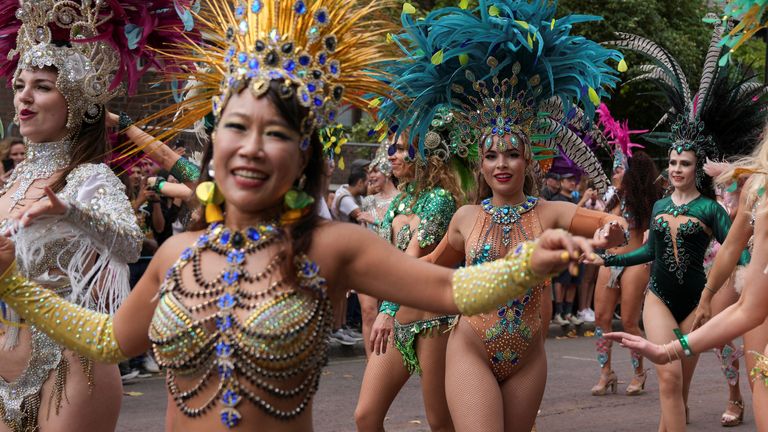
(568,405)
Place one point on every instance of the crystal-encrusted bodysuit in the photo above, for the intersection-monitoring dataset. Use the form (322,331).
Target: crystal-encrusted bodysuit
(507,332)
(677,242)
(264,347)
(69,254)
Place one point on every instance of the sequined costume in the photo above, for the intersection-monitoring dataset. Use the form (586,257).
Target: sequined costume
(69,254)
(434,209)
(678,239)
(508,331)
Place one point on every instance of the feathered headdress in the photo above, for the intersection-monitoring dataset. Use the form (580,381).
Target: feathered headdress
(751,18)
(95,45)
(724,117)
(324,53)
(507,68)
(619,136)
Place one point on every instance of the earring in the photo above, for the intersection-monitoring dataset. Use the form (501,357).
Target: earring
(16,119)
(211,197)
(297,202)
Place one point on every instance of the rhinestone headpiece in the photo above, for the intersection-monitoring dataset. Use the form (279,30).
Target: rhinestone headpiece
(325,53)
(94,45)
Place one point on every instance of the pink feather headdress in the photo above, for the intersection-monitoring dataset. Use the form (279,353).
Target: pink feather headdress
(618,135)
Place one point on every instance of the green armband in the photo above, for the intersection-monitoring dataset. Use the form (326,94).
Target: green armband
(185,171)
(683,342)
(481,288)
(84,331)
(389,308)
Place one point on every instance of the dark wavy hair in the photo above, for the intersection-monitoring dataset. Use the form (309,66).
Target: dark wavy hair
(299,233)
(639,190)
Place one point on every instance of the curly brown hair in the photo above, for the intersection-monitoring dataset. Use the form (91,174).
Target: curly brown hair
(639,190)
(436,173)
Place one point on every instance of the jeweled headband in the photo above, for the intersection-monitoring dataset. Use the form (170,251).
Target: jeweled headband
(94,45)
(324,53)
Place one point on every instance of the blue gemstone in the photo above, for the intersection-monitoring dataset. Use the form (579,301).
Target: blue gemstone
(230,398)
(242,57)
(321,17)
(231,276)
(230,418)
(231,52)
(332,116)
(202,240)
(495,130)
(225,371)
(289,65)
(305,97)
(318,102)
(334,69)
(304,144)
(186,254)
(223,349)
(224,239)
(226,301)
(305,60)
(253,64)
(311,87)
(300,7)
(256,6)
(322,58)
(224,323)
(236,257)
(239,11)
(169,273)
(253,234)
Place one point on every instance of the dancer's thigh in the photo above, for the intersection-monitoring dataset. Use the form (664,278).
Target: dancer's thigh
(522,392)
(384,376)
(474,396)
(755,340)
(605,300)
(760,401)
(431,353)
(634,281)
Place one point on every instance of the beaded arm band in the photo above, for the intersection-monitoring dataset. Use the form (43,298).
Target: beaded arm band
(185,171)
(389,308)
(482,287)
(89,333)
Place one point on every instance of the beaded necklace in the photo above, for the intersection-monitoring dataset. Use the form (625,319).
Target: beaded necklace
(508,215)
(277,340)
(43,159)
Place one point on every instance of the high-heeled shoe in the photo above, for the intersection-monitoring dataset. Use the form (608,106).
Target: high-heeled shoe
(606,381)
(637,386)
(729,419)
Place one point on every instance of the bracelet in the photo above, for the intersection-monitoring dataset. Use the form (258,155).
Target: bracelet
(669,356)
(710,289)
(389,308)
(125,121)
(683,342)
(185,171)
(159,184)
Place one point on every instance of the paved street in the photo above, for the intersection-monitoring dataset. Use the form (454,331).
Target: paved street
(567,406)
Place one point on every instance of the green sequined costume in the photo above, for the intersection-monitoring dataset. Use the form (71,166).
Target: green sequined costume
(435,208)
(678,276)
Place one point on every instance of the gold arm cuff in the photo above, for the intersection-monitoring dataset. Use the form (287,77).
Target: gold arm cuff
(481,288)
(86,332)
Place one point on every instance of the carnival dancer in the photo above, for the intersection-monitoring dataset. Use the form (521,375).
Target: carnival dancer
(382,191)
(67,61)
(415,223)
(633,199)
(238,314)
(509,108)
(749,315)
(683,223)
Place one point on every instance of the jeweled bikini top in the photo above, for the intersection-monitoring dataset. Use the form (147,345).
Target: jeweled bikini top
(272,358)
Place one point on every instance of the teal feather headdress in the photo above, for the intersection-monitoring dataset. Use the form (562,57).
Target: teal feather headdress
(506,68)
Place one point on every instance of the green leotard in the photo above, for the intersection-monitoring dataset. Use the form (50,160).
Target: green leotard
(678,278)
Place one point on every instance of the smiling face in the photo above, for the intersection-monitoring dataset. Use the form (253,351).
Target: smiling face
(376,181)
(256,155)
(504,171)
(40,106)
(400,168)
(682,169)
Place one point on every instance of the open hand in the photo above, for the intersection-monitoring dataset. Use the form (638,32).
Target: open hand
(702,315)
(647,349)
(381,332)
(610,235)
(48,206)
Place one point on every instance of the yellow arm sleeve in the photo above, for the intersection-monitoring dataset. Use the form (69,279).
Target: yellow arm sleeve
(481,288)
(86,332)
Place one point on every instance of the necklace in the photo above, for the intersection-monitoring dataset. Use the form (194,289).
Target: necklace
(42,161)
(508,215)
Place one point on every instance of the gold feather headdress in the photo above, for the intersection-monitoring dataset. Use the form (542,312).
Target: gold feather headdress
(325,53)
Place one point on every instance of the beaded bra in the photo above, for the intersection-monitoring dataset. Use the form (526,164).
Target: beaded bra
(272,358)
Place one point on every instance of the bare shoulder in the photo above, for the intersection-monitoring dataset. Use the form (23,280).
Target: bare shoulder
(171,249)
